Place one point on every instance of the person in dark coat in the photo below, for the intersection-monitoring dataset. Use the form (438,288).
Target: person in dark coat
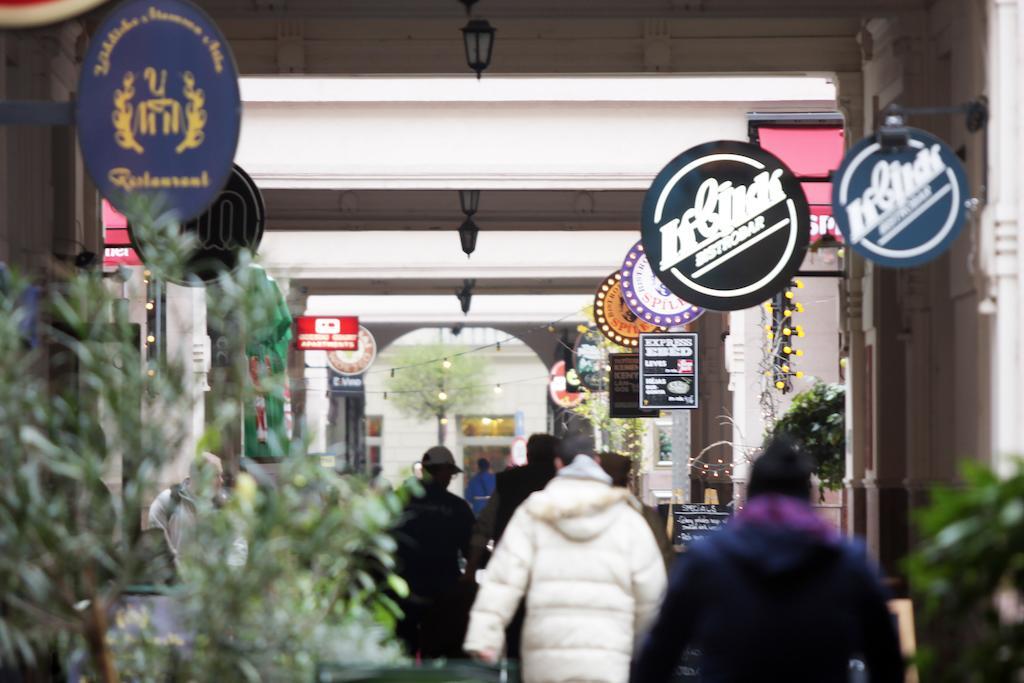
(618,468)
(776,595)
(434,530)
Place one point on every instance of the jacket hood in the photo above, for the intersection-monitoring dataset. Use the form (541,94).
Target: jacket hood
(580,502)
(776,536)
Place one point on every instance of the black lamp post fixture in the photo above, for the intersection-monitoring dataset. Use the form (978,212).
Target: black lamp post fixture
(469,5)
(469,200)
(478,35)
(467,235)
(465,295)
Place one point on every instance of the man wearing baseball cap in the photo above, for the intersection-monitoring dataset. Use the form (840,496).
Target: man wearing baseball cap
(434,530)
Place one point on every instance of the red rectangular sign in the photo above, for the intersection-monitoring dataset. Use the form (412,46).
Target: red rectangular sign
(327,333)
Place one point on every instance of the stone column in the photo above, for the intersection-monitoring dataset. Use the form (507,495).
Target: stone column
(1001,220)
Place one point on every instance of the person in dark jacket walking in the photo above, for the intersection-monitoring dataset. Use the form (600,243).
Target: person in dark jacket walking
(434,530)
(775,596)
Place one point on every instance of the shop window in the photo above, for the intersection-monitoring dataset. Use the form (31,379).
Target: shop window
(484,426)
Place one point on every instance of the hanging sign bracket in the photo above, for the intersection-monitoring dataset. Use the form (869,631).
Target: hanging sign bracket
(893,132)
(36,113)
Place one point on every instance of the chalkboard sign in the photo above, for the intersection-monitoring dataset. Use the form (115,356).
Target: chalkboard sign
(668,371)
(624,388)
(692,521)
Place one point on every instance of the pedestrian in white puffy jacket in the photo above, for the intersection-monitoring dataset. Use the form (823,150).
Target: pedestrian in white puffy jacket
(591,572)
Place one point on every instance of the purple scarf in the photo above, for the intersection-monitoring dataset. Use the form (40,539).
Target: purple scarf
(770,510)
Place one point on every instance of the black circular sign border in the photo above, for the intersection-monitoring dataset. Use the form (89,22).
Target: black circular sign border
(261,210)
(651,232)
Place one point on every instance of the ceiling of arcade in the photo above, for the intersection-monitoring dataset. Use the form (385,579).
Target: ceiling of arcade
(420,37)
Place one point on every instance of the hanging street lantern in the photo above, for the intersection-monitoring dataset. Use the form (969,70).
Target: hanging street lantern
(470,201)
(467,235)
(465,295)
(478,35)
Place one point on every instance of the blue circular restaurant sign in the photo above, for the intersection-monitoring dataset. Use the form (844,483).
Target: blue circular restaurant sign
(900,206)
(158,109)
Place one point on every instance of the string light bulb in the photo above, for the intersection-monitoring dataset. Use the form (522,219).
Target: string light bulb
(787,349)
(780,385)
(446,364)
(789,295)
(442,396)
(149,305)
(497,388)
(151,339)
(444,420)
(799,284)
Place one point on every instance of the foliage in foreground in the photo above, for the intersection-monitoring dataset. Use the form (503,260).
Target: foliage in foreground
(281,576)
(817,418)
(968,573)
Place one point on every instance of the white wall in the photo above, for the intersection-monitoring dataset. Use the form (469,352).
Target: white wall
(554,133)
(404,439)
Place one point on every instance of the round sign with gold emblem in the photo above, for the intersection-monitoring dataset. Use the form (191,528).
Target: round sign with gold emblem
(158,109)
(355,362)
(614,318)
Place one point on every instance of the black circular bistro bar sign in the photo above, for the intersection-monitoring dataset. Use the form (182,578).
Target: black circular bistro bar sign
(900,206)
(725,225)
(233,222)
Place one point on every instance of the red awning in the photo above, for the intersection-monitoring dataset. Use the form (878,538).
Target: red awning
(117,243)
(809,152)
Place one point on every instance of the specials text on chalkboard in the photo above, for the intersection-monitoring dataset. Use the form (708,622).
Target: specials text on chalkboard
(624,387)
(668,371)
(692,521)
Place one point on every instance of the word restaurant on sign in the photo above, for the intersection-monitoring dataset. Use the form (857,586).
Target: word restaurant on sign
(723,212)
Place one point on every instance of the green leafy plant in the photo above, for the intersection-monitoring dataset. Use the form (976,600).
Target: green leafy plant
(425,389)
(817,418)
(968,573)
(288,572)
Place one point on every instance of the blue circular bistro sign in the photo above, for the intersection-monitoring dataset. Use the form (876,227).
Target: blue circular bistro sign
(158,109)
(900,206)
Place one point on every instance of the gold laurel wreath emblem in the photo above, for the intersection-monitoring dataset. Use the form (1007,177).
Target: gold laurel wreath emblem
(124,136)
(195,115)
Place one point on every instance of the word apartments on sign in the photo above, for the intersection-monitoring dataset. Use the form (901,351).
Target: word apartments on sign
(724,214)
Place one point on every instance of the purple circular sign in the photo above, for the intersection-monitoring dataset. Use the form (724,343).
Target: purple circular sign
(648,297)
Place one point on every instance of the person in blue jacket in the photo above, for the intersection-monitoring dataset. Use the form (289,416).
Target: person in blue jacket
(776,595)
(481,486)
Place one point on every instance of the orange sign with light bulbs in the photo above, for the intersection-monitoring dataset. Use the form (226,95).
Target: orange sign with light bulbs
(614,318)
